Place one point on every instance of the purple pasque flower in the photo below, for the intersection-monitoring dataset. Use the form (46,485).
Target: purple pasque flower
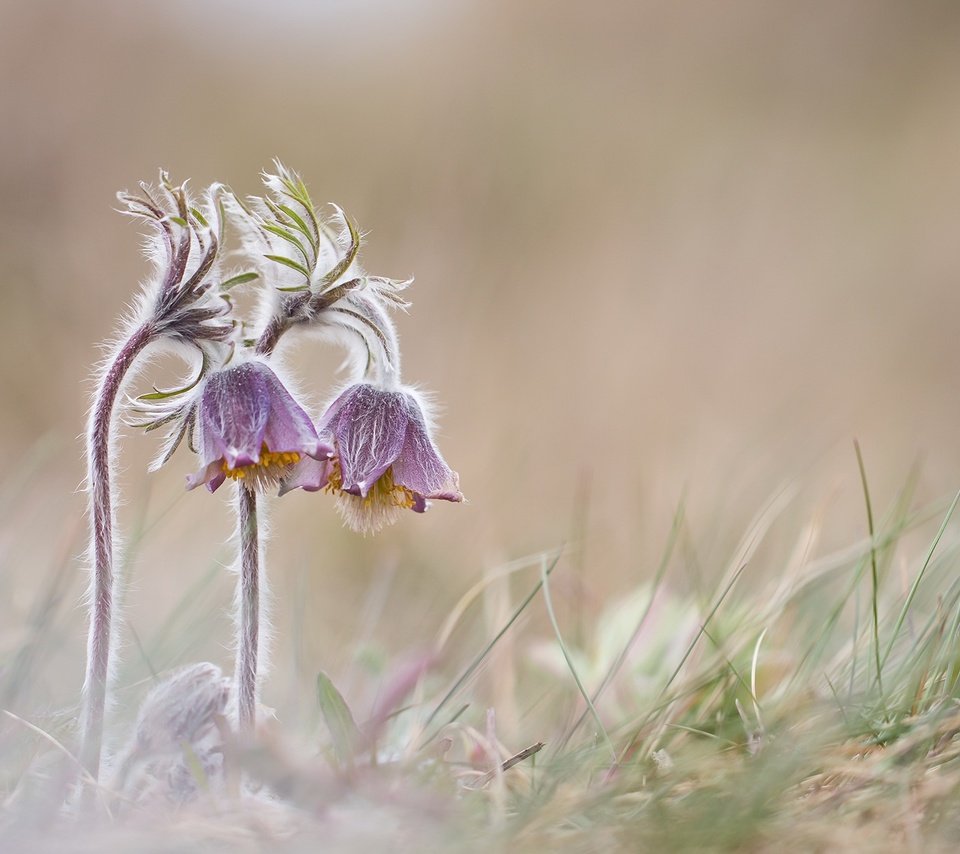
(251,429)
(385,460)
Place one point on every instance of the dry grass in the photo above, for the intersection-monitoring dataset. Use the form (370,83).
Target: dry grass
(750,718)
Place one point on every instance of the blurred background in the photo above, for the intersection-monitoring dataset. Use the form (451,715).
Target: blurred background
(662,252)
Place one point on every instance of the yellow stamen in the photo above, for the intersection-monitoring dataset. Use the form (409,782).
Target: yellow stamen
(381,506)
(272,466)
(383,492)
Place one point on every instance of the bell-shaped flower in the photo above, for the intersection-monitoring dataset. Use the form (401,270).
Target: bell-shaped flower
(251,429)
(385,460)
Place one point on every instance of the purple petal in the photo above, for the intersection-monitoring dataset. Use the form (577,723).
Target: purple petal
(288,427)
(246,406)
(369,426)
(214,484)
(419,466)
(456,496)
(309,475)
(233,414)
(323,425)
(211,474)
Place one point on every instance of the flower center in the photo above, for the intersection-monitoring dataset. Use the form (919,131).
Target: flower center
(271,468)
(383,493)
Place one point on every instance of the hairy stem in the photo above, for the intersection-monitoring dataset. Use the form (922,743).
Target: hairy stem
(271,335)
(248,640)
(102,580)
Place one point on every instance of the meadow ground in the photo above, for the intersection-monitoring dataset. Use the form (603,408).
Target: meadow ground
(797,699)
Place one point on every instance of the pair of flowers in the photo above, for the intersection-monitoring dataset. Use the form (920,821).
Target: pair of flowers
(372,448)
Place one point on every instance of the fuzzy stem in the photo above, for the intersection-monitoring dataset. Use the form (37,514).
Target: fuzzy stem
(102,581)
(271,335)
(249,610)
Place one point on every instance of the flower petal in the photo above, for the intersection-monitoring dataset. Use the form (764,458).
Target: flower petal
(419,467)
(233,415)
(369,425)
(245,410)
(288,427)
(309,475)
(419,503)
(212,475)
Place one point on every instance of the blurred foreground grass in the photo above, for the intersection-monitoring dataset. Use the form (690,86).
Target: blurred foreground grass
(796,698)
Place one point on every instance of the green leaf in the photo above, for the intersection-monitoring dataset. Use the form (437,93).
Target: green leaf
(160,394)
(221,219)
(293,265)
(296,190)
(300,224)
(291,238)
(344,734)
(240,279)
(278,214)
(304,193)
(199,217)
(179,220)
(344,264)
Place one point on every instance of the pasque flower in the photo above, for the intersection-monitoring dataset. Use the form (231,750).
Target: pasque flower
(251,429)
(372,449)
(180,303)
(385,459)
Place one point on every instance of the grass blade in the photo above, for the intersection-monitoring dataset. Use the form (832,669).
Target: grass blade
(873,568)
(344,734)
(471,668)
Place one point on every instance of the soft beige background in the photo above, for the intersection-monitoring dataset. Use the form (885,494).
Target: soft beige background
(660,248)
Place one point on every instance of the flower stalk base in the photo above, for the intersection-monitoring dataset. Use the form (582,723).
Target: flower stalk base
(103,577)
(248,640)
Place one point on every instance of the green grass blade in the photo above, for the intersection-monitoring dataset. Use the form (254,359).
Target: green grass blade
(919,577)
(566,657)
(873,567)
(344,734)
(478,660)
